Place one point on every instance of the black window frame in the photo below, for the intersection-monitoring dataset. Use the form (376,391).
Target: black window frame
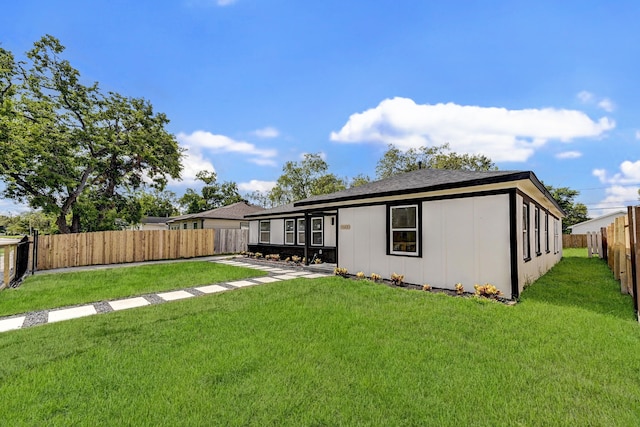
(292,232)
(321,231)
(260,231)
(536,230)
(418,230)
(526,238)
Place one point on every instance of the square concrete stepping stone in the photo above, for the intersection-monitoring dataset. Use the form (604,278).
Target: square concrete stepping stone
(11,324)
(175,295)
(241,283)
(285,277)
(260,267)
(297,273)
(211,289)
(124,304)
(71,313)
(315,276)
(266,279)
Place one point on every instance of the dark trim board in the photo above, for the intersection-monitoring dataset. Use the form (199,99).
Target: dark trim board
(513,227)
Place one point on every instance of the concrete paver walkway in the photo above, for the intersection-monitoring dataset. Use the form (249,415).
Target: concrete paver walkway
(276,274)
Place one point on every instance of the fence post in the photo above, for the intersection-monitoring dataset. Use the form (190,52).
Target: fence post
(634,243)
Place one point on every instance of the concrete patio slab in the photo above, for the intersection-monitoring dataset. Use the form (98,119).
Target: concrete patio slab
(211,289)
(297,273)
(241,283)
(175,295)
(124,304)
(11,324)
(71,313)
(266,279)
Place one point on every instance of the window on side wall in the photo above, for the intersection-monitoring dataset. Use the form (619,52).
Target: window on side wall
(526,247)
(536,220)
(316,231)
(555,236)
(404,230)
(546,232)
(301,231)
(195,225)
(289,231)
(265,231)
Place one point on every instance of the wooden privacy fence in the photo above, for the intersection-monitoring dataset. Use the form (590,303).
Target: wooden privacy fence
(114,247)
(619,245)
(231,240)
(574,240)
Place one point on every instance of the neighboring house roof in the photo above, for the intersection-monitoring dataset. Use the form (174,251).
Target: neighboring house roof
(155,219)
(600,218)
(422,180)
(236,211)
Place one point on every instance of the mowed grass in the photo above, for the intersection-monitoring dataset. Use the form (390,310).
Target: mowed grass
(46,291)
(334,351)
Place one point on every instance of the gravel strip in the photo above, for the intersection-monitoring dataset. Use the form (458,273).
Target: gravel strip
(36,318)
(102,307)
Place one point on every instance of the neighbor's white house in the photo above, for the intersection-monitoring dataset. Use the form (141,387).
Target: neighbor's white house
(593,225)
(439,227)
(225,217)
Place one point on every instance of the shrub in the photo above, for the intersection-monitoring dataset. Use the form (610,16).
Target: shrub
(318,261)
(376,277)
(360,275)
(487,290)
(397,279)
(459,289)
(258,255)
(296,259)
(340,271)
(426,287)
(272,257)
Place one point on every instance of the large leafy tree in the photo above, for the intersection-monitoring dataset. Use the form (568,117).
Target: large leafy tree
(71,149)
(306,178)
(576,212)
(395,161)
(213,194)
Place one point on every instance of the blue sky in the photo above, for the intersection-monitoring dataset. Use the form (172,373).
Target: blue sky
(546,86)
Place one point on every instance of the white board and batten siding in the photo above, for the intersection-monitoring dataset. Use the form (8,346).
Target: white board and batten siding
(464,240)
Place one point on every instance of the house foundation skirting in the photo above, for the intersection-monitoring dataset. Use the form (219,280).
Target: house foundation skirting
(286,251)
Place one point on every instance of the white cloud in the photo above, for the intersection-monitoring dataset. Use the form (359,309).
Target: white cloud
(254,184)
(267,132)
(225,2)
(629,174)
(616,198)
(501,134)
(569,155)
(638,134)
(607,105)
(585,97)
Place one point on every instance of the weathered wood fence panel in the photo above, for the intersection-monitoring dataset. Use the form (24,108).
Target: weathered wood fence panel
(114,247)
(621,244)
(574,240)
(231,240)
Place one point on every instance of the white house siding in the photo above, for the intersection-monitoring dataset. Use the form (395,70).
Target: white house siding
(330,231)
(594,225)
(254,227)
(464,240)
(537,265)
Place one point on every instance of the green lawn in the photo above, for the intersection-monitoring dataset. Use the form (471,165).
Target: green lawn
(45,291)
(334,351)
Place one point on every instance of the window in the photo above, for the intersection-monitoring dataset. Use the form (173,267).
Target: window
(404,230)
(195,225)
(546,232)
(525,232)
(301,231)
(265,231)
(184,225)
(555,236)
(289,231)
(316,231)
(536,221)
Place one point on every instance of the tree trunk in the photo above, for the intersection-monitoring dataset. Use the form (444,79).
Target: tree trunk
(61,222)
(75,223)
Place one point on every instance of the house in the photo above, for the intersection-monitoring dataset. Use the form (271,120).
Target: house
(230,216)
(153,223)
(439,227)
(593,225)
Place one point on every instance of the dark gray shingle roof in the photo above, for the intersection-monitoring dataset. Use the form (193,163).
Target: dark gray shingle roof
(235,211)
